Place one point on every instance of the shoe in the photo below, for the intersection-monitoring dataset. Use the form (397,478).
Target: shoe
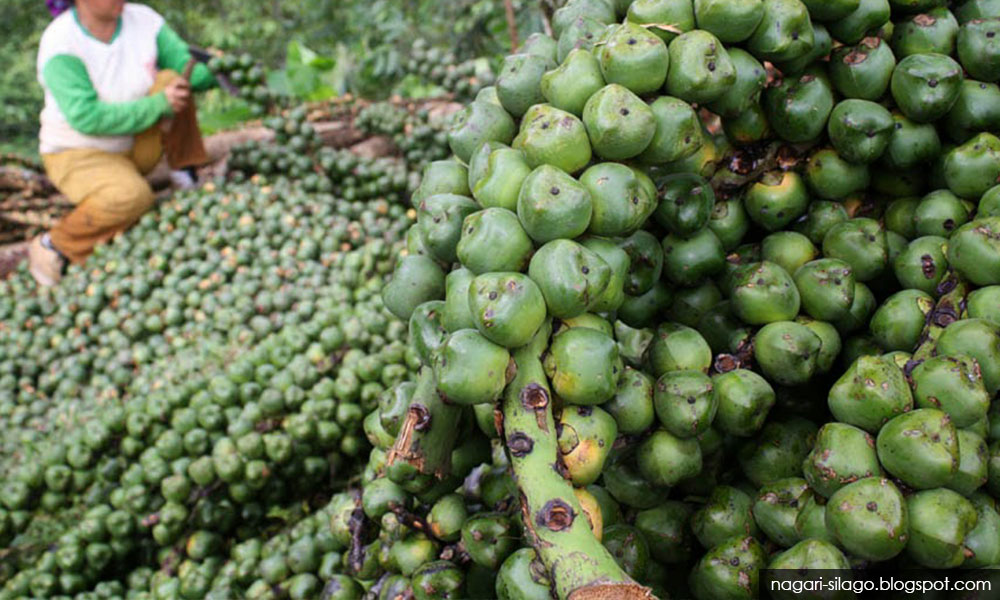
(44,261)
(183,179)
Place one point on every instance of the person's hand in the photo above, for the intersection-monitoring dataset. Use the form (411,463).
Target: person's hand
(178,93)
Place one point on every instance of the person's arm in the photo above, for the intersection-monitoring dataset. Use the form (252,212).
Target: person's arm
(69,83)
(173,53)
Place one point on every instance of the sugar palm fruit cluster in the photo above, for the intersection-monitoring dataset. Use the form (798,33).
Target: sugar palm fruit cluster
(420,137)
(200,376)
(250,79)
(463,78)
(666,235)
(294,130)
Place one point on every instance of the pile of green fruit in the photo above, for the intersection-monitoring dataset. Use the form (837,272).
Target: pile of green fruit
(249,78)
(703,350)
(420,137)
(201,381)
(442,67)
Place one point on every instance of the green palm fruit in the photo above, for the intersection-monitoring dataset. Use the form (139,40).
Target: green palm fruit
(629,548)
(685,402)
(541,45)
(493,240)
(584,366)
(588,320)
(922,265)
(688,261)
(622,197)
(920,448)
(826,287)
(665,529)
(977,50)
(455,315)
(974,251)
(664,459)
(585,435)
(974,167)
(635,58)
(501,180)
(973,463)
(417,279)
(830,10)
(443,177)
(553,205)
(729,21)
(975,110)
(438,579)
(645,256)
(911,143)
(381,496)
(507,308)
(476,124)
(776,200)
(977,9)
(787,352)
(470,369)
(628,486)
(820,217)
(749,126)
(896,184)
(832,177)
(426,330)
(989,204)
(574,9)
(675,16)
(860,130)
(952,384)
(763,293)
(784,33)
(522,577)
(983,542)
(725,515)
(993,481)
(751,79)
(862,71)
(899,321)
(554,137)
(730,570)
(899,217)
(408,554)
(489,538)
(632,406)
(978,339)
(861,243)
(729,222)
(811,522)
(869,15)
(830,344)
(926,85)
(939,521)
(446,517)
(842,455)
(440,219)
(984,303)
(581,34)
(870,393)
(519,82)
(933,31)
(686,202)
(939,213)
(745,399)
(869,518)
(614,294)
(701,70)
(805,555)
(777,506)
(640,311)
(860,312)
(691,304)
(677,134)
(570,276)
(568,86)
(778,451)
(678,348)
(619,123)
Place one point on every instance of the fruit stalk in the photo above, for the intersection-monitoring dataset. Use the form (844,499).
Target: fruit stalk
(427,435)
(579,567)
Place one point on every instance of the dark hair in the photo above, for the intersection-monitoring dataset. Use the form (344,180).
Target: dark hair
(58,7)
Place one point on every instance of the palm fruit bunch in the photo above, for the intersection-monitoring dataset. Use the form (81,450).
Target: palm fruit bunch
(667,234)
(251,158)
(294,130)
(463,78)
(195,382)
(361,179)
(250,79)
(419,136)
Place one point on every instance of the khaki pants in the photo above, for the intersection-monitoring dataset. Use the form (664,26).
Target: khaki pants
(108,189)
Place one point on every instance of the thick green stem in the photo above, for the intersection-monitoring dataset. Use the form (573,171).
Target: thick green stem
(579,567)
(427,435)
(949,308)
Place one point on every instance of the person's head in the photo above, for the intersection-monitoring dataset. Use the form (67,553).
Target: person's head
(104,10)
